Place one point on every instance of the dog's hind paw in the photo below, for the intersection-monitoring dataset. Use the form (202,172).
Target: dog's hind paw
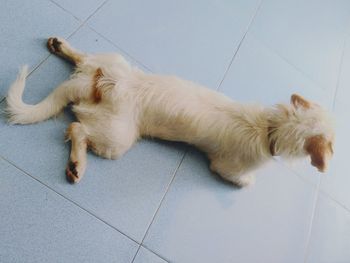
(73,176)
(54,45)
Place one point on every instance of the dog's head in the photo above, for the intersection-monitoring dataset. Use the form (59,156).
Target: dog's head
(302,128)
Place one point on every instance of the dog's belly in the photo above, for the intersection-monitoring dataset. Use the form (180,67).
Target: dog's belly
(192,121)
(182,129)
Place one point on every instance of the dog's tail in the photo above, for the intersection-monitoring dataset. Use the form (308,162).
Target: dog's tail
(22,113)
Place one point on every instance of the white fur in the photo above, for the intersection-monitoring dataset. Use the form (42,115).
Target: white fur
(135,104)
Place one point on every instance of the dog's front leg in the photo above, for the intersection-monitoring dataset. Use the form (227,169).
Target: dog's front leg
(242,180)
(77,160)
(231,171)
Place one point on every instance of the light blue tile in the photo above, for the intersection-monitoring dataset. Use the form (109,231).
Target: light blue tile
(25,26)
(309,34)
(90,42)
(337,181)
(125,193)
(343,91)
(203,219)
(191,39)
(146,256)
(305,170)
(37,225)
(81,9)
(258,75)
(330,236)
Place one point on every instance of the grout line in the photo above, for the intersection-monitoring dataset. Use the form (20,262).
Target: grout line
(339,74)
(335,200)
(102,36)
(267,46)
(160,203)
(69,200)
(272,50)
(297,172)
(299,70)
(49,55)
(58,5)
(77,18)
(240,44)
(121,49)
(319,192)
(82,23)
(166,191)
(38,65)
(150,250)
(137,251)
(97,9)
(69,36)
(312,220)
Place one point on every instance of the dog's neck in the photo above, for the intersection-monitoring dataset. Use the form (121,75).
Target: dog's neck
(263,130)
(271,140)
(271,129)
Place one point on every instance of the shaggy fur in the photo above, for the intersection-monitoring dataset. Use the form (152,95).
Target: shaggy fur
(116,104)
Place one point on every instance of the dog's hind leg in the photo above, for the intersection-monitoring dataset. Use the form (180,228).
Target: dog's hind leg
(77,160)
(113,145)
(62,48)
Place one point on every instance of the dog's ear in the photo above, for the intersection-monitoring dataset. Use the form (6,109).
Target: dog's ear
(319,150)
(298,101)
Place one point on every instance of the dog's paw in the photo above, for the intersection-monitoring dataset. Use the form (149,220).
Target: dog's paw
(243,180)
(72,173)
(54,45)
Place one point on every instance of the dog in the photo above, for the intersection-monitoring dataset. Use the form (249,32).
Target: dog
(116,104)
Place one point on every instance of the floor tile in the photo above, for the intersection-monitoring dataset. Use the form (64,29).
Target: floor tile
(183,37)
(343,91)
(34,92)
(258,75)
(146,256)
(330,236)
(25,26)
(89,41)
(37,225)
(125,193)
(81,9)
(337,182)
(292,46)
(203,219)
(309,34)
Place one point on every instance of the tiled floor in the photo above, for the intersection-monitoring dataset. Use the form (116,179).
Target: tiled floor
(159,203)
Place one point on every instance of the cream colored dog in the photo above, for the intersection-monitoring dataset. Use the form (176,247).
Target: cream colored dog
(116,104)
